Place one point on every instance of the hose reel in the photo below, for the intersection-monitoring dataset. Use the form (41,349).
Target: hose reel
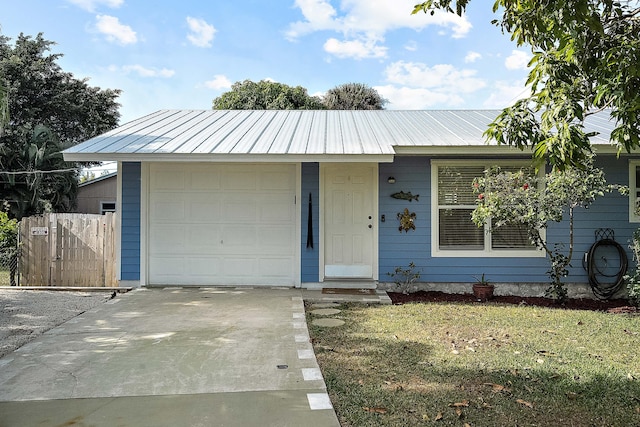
(606,264)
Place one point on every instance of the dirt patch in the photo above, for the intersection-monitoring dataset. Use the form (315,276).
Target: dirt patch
(613,306)
(26,314)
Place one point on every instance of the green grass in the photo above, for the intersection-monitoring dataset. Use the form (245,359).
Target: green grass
(481,365)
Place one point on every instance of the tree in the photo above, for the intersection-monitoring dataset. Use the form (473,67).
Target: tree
(4,107)
(50,110)
(353,96)
(43,181)
(266,95)
(586,58)
(521,199)
(86,176)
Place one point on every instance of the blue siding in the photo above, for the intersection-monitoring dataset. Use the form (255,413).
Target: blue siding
(309,261)
(399,249)
(130,223)
(412,173)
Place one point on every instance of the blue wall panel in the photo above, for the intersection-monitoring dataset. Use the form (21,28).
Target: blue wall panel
(310,255)
(398,249)
(130,221)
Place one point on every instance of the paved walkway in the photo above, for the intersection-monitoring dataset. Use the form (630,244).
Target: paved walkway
(172,357)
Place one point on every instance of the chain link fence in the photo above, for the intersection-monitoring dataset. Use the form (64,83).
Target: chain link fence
(9,267)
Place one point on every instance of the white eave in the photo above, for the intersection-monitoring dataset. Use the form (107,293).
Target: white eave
(300,136)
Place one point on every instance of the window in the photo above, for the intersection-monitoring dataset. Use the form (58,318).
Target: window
(634,191)
(107,207)
(454,233)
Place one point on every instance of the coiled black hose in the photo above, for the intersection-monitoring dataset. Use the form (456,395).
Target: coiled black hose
(608,289)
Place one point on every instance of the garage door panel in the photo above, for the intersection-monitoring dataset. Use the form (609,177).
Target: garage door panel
(276,209)
(238,209)
(205,239)
(168,211)
(168,180)
(273,267)
(276,180)
(205,180)
(244,237)
(235,267)
(203,266)
(240,179)
(276,238)
(222,224)
(168,266)
(168,239)
(206,211)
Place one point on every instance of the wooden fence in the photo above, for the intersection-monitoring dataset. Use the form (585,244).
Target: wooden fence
(68,250)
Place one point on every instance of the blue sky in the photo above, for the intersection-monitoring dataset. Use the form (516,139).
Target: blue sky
(182,54)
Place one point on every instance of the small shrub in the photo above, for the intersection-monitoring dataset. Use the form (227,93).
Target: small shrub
(405,277)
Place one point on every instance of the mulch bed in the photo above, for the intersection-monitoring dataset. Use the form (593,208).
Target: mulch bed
(612,306)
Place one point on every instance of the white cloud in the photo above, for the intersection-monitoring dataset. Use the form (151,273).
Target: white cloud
(111,27)
(357,49)
(219,82)
(472,57)
(144,71)
(319,15)
(369,20)
(370,16)
(518,60)
(406,98)
(202,33)
(414,85)
(411,46)
(91,5)
(441,76)
(504,94)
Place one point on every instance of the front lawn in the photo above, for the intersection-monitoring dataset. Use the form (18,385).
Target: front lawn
(480,365)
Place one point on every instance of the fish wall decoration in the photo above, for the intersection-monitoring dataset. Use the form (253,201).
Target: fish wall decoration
(405,196)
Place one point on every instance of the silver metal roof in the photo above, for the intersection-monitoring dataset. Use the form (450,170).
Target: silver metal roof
(297,135)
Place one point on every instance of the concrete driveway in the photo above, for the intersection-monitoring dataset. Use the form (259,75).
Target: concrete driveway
(172,357)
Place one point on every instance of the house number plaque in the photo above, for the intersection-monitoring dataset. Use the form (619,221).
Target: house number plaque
(39,231)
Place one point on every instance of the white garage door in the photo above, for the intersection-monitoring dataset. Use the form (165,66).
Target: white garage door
(218,224)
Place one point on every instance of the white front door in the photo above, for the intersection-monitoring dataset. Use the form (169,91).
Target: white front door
(349,220)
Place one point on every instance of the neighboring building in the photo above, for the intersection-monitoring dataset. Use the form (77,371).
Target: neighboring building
(229,198)
(98,195)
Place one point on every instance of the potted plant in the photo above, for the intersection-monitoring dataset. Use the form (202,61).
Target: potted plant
(482,289)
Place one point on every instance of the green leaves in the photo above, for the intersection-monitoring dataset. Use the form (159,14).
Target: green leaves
(525,199)
(4,106)
(431,6)
(266,95)
(586,58)
(50,110)
(353,96)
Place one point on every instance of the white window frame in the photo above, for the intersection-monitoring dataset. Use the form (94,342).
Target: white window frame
(634,187)
(487,252)
(104,202)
